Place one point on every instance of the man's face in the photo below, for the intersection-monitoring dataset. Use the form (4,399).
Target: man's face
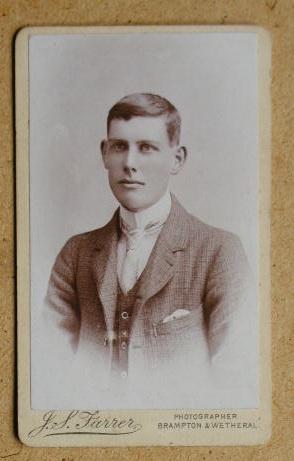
(140,160)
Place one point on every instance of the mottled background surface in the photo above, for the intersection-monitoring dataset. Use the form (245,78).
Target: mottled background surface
(278,17)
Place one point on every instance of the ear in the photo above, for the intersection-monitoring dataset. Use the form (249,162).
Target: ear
(179,159)
(104,148)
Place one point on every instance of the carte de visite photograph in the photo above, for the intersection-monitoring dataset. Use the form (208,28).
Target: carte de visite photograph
(142,189)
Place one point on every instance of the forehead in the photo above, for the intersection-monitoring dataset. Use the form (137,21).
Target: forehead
(153,128)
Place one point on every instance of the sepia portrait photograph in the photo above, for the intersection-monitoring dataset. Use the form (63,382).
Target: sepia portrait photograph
(144,220)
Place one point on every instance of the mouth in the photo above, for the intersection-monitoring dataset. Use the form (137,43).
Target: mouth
(131,183)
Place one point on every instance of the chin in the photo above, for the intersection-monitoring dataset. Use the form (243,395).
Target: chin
(132,203)
(134,200)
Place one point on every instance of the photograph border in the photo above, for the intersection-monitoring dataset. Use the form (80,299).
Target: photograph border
(147,420)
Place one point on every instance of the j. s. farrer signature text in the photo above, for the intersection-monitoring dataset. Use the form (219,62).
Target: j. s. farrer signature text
(83,422)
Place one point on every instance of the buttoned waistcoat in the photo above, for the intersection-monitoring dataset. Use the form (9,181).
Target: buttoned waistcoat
(193,266)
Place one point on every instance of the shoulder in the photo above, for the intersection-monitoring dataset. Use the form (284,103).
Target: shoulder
(216,245)
(200,236)
(221,249)
(84,237)
(200,230)
(90,239)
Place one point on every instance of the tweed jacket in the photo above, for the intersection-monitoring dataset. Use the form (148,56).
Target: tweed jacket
(193,266)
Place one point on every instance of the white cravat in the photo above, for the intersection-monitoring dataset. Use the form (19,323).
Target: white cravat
(139,233)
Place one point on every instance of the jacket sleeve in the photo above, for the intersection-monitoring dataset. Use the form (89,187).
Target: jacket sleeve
(232,315)
(61,302)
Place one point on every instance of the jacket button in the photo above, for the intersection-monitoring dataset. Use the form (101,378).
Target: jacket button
(124,374)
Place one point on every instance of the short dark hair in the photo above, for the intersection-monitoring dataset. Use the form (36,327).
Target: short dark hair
(148,105)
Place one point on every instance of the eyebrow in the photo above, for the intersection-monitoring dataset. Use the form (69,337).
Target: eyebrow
(117,139)
(148,141)
(140,141)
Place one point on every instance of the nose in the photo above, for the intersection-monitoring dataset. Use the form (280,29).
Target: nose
(131,160)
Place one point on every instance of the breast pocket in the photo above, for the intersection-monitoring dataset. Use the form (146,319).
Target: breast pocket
(191,320)
(178,342)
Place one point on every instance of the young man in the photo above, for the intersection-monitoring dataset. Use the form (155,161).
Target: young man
(156,302)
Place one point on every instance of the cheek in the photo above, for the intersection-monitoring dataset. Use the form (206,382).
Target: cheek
(158,170)
(113,165)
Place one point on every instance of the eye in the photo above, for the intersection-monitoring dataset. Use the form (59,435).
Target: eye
(145,147)
(118,146)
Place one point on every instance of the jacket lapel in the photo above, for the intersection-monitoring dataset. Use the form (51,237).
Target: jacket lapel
(160,268)
(105,270)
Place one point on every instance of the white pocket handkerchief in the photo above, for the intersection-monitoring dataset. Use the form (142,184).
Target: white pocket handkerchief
(176,315)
